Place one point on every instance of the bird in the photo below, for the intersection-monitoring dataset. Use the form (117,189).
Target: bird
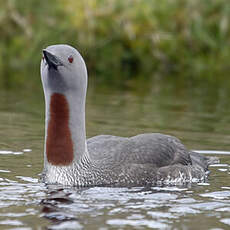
(104,160)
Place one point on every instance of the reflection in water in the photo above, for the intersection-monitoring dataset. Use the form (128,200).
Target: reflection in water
(156,207)
(215,152)
(199,117)
(51,206)
(24,201)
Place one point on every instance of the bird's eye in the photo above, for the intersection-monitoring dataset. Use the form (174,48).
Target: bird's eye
(43,58)
(70,59)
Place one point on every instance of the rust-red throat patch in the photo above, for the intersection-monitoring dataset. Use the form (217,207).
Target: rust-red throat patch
(59,145)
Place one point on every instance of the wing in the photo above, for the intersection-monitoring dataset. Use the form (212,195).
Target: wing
(154,148)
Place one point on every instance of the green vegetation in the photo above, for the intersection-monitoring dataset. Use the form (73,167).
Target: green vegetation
(120,40)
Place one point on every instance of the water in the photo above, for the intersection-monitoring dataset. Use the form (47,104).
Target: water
(199,116)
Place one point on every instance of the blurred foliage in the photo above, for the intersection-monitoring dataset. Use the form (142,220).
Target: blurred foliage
(120,40)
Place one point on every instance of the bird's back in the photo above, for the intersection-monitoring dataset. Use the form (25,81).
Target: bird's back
(147,158)
(153,148)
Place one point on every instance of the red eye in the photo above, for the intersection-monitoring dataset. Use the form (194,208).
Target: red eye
(70,59)
(43,58)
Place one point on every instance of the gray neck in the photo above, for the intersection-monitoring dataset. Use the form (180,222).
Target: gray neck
(75,124)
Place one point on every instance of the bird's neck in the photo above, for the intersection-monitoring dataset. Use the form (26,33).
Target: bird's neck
(65,139)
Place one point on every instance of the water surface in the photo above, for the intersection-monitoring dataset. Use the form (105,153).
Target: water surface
(199,116)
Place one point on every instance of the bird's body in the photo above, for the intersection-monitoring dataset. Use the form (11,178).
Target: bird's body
(104,160)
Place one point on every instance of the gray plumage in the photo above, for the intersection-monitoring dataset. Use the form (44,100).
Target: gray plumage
(147,159)
(105,160)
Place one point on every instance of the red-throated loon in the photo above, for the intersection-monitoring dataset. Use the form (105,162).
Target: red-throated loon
(104,160)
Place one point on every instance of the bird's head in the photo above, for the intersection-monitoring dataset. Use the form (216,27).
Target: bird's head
(63,70)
